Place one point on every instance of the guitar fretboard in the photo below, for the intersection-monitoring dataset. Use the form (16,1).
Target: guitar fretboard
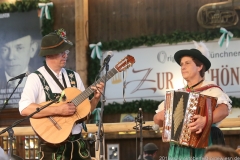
(85,94)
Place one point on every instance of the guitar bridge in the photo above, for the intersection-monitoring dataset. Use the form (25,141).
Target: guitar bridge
(54,123)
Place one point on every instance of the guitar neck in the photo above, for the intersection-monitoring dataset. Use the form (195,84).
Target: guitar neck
(85,94)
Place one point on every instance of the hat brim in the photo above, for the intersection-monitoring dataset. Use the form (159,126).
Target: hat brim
(192,53)
(17,26)
(52,51)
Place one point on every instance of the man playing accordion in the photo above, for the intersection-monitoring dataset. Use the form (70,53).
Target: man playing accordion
(194,63)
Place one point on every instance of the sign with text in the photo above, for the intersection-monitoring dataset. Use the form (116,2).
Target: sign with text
(155,71)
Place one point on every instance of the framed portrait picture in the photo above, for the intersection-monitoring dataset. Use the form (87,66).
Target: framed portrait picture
(113,151)
(19,47)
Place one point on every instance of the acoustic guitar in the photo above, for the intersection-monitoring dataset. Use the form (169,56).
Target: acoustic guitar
(56,129)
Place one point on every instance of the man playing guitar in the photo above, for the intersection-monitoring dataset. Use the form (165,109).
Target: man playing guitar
(45,85)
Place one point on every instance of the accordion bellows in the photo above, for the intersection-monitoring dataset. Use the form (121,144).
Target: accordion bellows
(179,109)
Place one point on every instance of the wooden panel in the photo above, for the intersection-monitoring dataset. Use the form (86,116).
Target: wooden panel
(81,41)
(233,125)
(74,20)
(232,140)
(9,116)
(121,19)
(19,141)
(64,17)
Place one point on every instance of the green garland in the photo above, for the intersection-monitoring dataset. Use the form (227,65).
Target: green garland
(19,6)
(148,106)
(28,5)
(175,37)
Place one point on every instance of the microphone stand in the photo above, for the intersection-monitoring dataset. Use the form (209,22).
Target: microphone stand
(139,119)
(11,156)
(10,131)
(141,137)
(7,99)
(100,133)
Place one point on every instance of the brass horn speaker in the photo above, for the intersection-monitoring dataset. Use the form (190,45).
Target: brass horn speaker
(216,15)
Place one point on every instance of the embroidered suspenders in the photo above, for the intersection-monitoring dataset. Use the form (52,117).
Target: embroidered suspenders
(47,89)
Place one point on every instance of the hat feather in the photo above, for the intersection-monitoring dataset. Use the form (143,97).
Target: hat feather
(202,48)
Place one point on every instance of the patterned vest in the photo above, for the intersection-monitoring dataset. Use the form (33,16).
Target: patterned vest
(48,91)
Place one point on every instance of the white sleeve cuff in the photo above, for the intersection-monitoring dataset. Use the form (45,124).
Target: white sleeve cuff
(160,107)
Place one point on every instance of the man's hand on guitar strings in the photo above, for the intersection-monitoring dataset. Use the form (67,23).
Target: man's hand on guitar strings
(98,90)
(66,109)
(198,124)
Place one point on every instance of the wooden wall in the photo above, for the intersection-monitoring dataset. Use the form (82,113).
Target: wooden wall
(64,17)
(121,19)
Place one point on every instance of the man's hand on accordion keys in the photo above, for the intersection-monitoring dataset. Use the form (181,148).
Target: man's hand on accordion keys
(198,124)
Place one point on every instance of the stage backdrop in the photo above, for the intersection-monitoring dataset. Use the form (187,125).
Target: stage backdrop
(155,71)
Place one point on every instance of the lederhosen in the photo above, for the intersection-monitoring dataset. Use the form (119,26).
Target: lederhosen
(74,147)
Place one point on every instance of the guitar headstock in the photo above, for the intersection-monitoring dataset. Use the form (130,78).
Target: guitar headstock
(125,63)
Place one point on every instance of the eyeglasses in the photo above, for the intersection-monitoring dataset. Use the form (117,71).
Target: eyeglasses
(65,53)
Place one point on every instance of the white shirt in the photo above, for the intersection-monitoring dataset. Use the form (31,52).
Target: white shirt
(3,156)
(33,91)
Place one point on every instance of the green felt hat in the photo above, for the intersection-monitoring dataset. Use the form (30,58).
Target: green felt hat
(55,43)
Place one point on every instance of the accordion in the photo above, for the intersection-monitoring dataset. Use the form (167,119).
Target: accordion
(179,108)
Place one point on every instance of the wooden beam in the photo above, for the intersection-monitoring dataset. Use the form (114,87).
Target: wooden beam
(92,128)
(228,126)
(81,38)
(230,122)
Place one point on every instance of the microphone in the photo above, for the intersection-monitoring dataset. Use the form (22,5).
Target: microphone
(20,76)
(140,114)
(107,59)
(147,127)
(91,138)
(155,127)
